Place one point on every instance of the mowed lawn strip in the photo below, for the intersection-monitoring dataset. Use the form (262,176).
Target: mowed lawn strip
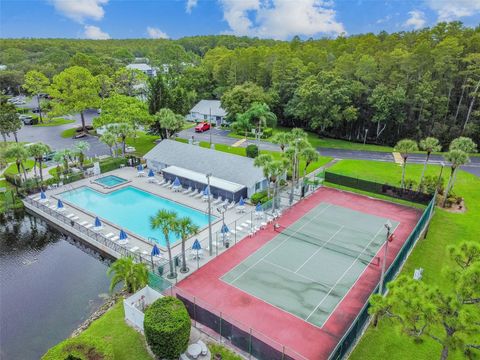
(111,327)
(446,229)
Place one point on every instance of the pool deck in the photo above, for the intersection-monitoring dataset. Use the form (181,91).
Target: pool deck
(136,244)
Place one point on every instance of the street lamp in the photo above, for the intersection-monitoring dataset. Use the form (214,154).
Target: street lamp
(388,226)
(365,138)
(210,240)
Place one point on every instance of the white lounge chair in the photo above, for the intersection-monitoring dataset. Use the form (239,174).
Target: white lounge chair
(187,191)
(218,201)
(161,182)
(193,193)
(70,215)
(203,346)
(167,184)
(88,226)
(199,195)
(115,238)
(83,223)
(134,249)
(109,235)
(97,228)
(75,218)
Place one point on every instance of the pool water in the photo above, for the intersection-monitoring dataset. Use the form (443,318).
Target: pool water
(110,181)
(131,208)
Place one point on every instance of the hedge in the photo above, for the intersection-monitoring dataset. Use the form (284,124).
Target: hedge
(83,348)
(167,327)
(252,151)
(112,164)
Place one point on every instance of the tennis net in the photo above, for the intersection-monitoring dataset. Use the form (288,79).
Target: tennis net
(365,256)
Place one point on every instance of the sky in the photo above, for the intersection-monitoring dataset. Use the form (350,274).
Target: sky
(277,19)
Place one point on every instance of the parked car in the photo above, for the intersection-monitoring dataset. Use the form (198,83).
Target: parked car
(49,156)
(27,120)
(203,126)
(35,110)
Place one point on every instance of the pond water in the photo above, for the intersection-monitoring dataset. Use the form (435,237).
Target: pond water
(49,285)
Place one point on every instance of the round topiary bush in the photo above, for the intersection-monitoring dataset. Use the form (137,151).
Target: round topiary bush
(167,327)
(252,151)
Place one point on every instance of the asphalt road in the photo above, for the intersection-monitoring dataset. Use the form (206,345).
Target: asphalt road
(219,136)
(51,135)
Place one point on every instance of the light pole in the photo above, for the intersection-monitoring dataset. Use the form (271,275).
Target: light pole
(210,129)
(222,210)
(294,170)
(365,138)
(388,226)
(210,240)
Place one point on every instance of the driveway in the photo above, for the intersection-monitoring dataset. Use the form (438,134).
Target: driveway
(51,135)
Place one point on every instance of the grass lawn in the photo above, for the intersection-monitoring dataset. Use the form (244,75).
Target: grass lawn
(446,229)
(54,122)
(68,133)
(111,327)
(143,142)
(12,169)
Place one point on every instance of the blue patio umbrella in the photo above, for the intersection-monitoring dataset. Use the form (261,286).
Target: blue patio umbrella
(151,173)
(140,168)
(43,196)
(224,229)
(258,208)
(98,223)
(241,202)
(206,192)
(176,182)
(60,204)
(123,235)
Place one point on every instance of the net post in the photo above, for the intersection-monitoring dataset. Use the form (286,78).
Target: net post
(220,332)
(235,231)
(283,352)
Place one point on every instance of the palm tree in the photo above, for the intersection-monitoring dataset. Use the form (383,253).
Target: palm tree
(405,147)
(20,154)
(81,147)
(463,143)
(309,155)
(165,221)
(429,145)
(64,155)
(282,139)
(134,275)
(109,139)
(242,124)
(184,228)
(169,121)
(273,169)
(295,148)
(123,130)
(456,158)
(260,116)
(38,151)
(263,161)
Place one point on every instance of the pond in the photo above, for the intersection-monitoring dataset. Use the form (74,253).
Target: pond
(49,284)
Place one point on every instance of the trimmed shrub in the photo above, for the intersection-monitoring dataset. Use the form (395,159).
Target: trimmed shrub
(259,197)
(252,151)
(167,327)
(82,348)
(267,132)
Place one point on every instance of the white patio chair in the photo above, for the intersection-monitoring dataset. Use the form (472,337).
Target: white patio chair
(187,191)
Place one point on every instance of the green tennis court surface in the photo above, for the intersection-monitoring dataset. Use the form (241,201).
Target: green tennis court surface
(309,267)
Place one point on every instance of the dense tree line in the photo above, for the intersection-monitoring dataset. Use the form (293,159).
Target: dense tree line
(385,87)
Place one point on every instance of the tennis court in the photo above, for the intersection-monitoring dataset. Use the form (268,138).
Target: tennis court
(310,266)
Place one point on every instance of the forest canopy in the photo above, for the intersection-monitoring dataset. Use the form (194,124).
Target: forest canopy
(386,86)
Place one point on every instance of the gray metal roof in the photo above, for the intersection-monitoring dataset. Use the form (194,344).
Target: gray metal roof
(234,168)
(207,107)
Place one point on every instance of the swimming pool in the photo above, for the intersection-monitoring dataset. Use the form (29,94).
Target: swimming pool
(110,181)
(131,208)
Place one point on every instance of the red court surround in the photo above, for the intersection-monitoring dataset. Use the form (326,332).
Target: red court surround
(295,334)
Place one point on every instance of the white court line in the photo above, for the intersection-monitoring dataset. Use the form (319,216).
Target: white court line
(276,247)
(344,273)
(299,275)
(358,278)
(320,248)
